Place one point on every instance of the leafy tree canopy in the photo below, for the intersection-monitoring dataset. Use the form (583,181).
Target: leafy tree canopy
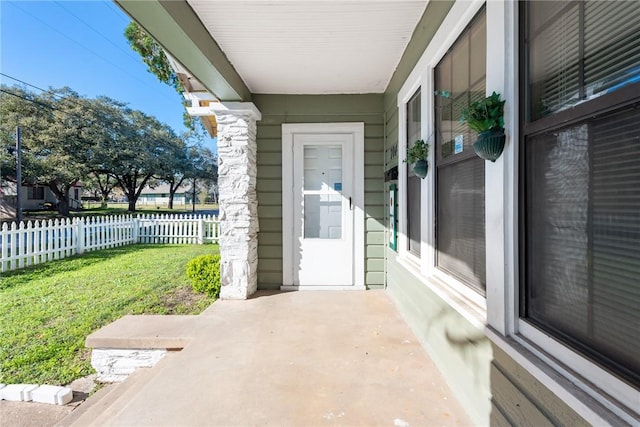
(158,64)
(68,139)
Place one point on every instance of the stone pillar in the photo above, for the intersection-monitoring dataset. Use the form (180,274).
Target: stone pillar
(238,201)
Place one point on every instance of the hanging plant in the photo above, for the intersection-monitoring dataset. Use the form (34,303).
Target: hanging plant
(486,116)
(417,155)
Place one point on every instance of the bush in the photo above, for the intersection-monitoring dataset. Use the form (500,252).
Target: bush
(204,272)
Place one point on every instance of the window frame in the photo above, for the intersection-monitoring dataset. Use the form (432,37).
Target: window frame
(471,304)
(559,355)
(405,171)
(32,193)
(446,162)
(403,239)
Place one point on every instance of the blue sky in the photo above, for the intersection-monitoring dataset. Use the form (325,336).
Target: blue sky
(81,44)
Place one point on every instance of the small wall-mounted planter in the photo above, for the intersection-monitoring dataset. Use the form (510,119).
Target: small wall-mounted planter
(420,168)
(490,144)
(417,155)
(486,116)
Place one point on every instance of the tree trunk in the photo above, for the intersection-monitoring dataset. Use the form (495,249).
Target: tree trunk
(103,198)
(62,195)
(63,206)
(130,192)
(171,194)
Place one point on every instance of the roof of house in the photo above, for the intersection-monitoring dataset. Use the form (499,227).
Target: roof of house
(164,189)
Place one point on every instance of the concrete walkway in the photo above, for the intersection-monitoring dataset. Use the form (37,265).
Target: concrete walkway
(288,359)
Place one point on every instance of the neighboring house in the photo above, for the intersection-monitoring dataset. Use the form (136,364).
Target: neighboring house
(37,197)
(520,277)
(159,196)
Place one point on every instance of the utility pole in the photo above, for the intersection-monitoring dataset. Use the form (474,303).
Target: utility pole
(18,174)
(193,201)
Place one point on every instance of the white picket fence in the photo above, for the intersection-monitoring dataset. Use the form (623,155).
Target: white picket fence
(36,242)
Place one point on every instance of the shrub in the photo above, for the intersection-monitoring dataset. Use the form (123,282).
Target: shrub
(204,272)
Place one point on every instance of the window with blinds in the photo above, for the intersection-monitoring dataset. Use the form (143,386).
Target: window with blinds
(460,226)
(414,132)
(581,177)
(580,50)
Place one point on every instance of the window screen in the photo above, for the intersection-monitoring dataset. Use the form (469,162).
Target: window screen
(414,133)
(579,51)
(582,179)
(460,234)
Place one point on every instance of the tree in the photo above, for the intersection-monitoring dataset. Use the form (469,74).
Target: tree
(53,137)
(158,64)
(102,185)
(142,149)
(112,124)
(59,152)
(177,169)
(205,168)
(18,107)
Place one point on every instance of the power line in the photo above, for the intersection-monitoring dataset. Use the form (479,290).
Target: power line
(83,46)
(23,82)
(115,10)
(96,31)
(55,95)
(41,104)
(61,98)
(32,101)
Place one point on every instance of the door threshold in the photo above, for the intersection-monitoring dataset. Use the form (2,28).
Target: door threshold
(322,288)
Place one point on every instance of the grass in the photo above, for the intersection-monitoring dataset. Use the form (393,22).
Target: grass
(48,310)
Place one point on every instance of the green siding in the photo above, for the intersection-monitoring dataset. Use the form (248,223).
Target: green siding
(422,35)
(279,109)
(460,351)
(523,400)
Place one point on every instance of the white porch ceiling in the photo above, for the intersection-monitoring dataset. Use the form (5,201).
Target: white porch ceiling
(312,46)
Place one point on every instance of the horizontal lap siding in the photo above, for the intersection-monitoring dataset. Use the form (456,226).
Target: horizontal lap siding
(269,191)
(279,109)
(461,351)
(522,400)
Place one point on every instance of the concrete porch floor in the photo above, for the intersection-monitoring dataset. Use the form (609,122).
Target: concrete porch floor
(287,359)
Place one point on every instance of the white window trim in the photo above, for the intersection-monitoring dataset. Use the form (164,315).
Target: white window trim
(500,307)
(422,76)
(403,240)
(503,287)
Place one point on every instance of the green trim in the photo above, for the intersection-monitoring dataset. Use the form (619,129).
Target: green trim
(177,28)
(393,217)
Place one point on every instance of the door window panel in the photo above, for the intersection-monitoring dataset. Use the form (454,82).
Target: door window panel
(322,192)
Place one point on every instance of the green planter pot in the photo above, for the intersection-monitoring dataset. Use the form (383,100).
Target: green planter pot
(490,144)
(420,168)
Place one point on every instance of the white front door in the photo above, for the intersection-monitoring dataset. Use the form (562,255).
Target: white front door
(322,210)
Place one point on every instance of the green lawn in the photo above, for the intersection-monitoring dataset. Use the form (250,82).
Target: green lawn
(47,311)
